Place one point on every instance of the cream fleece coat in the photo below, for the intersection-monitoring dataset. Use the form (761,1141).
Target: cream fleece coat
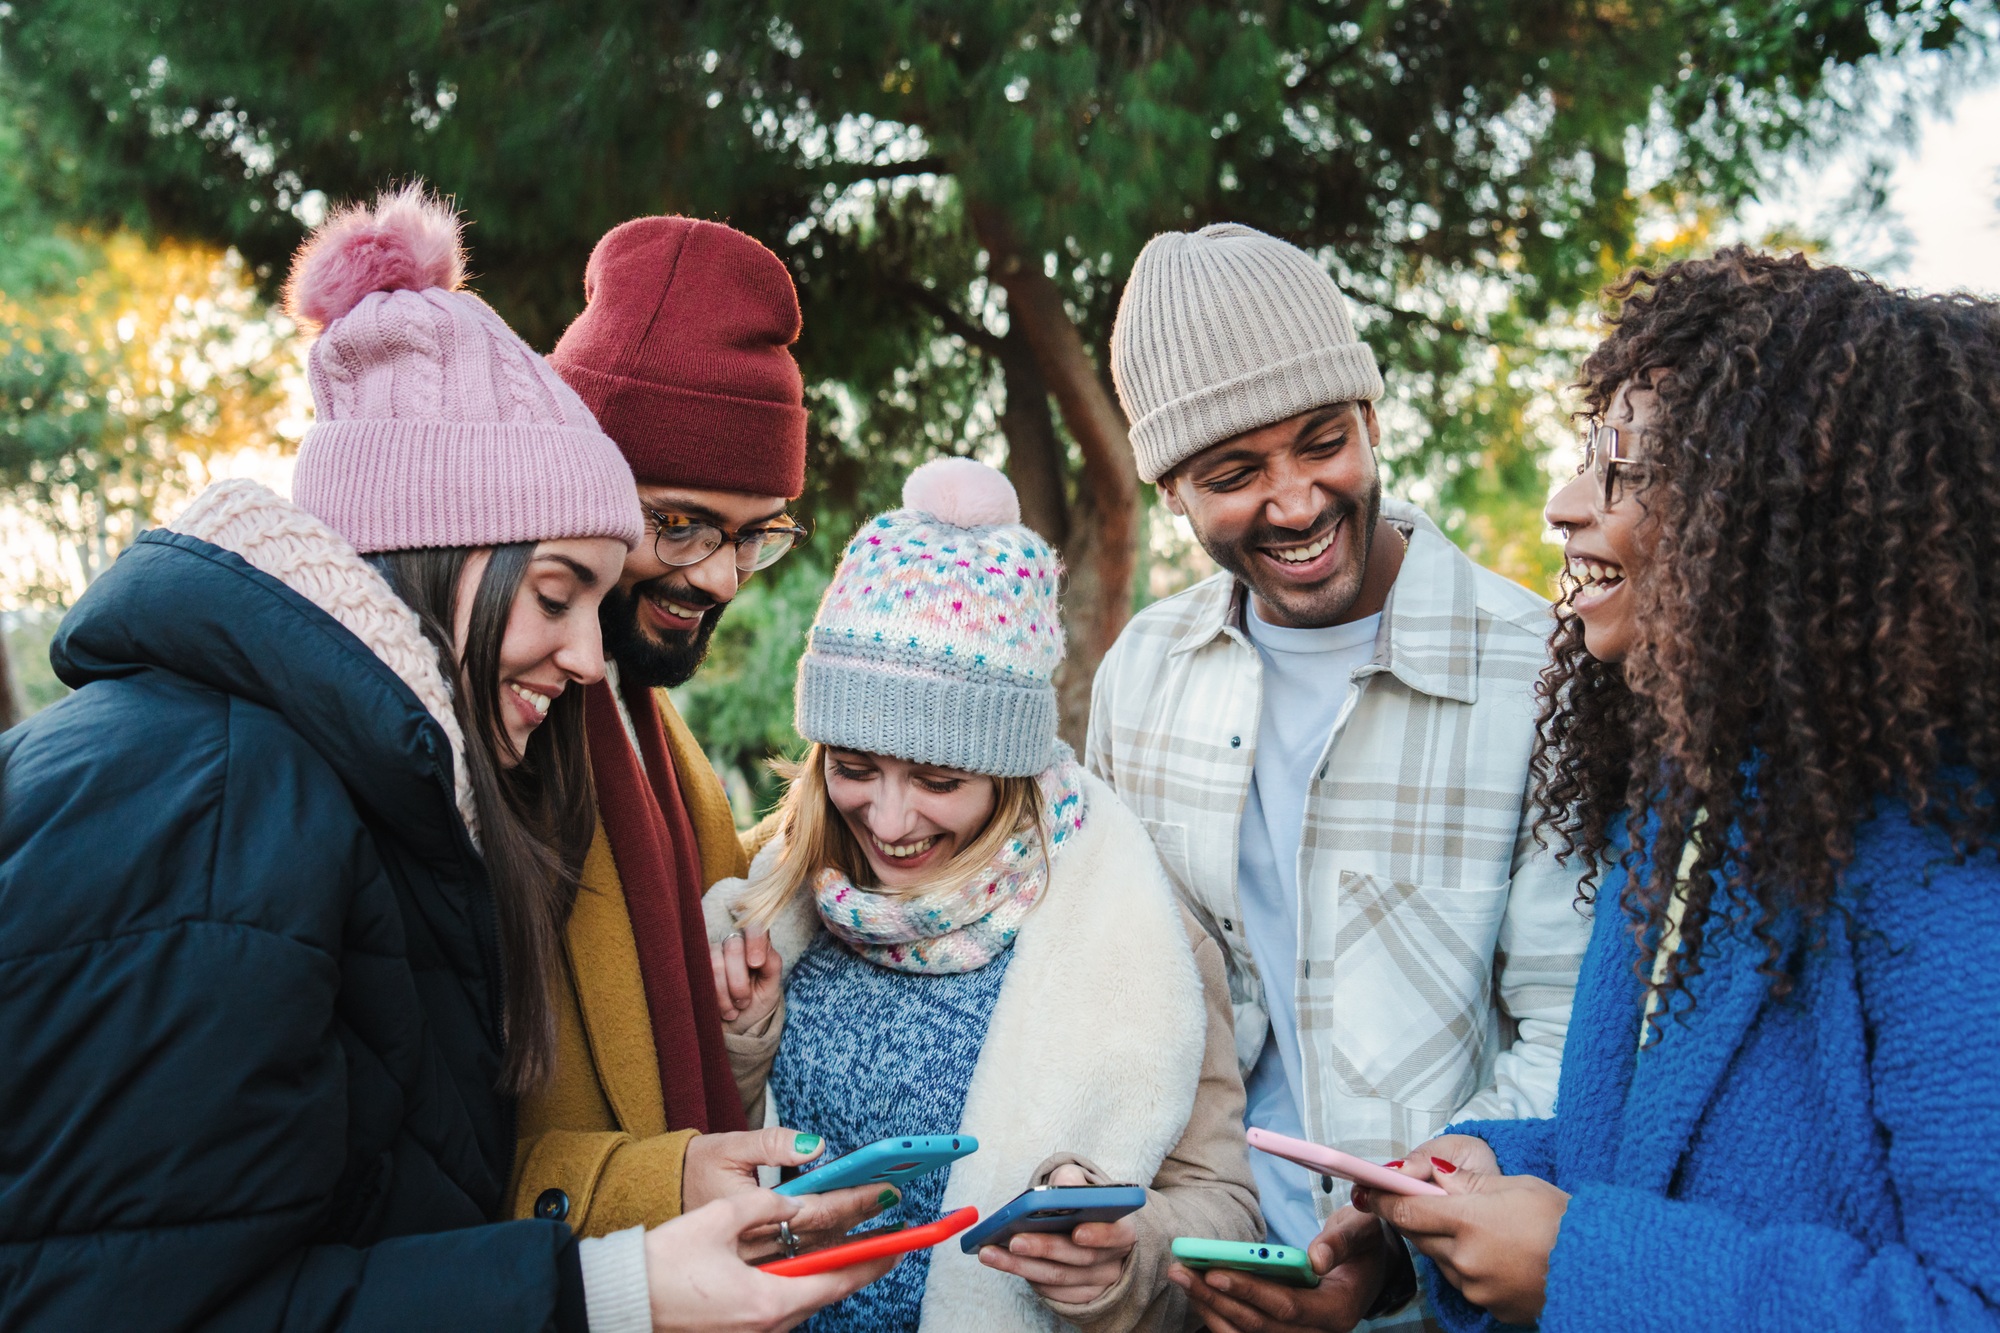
(1107,1033)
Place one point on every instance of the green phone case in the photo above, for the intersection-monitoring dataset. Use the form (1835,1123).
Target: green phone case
(1279,1263)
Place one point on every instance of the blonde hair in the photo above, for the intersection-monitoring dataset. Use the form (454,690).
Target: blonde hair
(816,837)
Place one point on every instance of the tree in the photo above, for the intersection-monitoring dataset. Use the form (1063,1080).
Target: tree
(960,187)
(132,366)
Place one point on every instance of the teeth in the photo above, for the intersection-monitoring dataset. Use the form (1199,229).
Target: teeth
(1590,574)
(902,851)
(538,702)
(676,609)
(1305,554)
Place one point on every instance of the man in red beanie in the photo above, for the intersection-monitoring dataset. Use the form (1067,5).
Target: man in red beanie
(683,352)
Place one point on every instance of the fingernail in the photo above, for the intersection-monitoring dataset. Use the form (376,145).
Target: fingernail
(1446,1167)
(886,1199)
(807,1143)
(1398,1162)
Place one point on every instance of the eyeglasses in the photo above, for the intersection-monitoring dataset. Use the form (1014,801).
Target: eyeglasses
(679,540)
(1604,453)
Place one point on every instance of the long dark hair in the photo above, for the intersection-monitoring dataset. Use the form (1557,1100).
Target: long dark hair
(1819,622)
(535,819)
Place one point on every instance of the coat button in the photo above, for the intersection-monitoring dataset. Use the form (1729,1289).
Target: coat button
(552,1205)
(1235,742)
(1227,924)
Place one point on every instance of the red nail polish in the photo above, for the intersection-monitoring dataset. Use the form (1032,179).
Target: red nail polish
(1446,1167)
(1398,1162)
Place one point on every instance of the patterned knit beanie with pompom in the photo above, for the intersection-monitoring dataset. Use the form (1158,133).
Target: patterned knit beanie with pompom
(435,425)
(938,639)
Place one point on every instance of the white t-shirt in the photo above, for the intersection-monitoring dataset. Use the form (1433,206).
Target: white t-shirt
(1307,677)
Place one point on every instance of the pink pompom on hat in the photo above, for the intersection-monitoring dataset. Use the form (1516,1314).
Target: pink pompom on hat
(435,425)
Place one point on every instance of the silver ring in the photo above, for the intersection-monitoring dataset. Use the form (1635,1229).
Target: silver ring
(788,1240)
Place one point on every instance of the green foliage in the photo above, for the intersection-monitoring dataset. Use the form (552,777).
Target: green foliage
(123,367)
(1471,170)
(25,636)
(1466,165)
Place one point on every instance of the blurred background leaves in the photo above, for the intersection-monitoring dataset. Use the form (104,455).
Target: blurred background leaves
(959,188)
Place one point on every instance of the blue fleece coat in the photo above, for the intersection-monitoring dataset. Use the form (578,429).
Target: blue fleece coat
(1825,1161)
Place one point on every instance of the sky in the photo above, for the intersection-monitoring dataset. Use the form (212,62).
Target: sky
(1942,232)
(1949,197)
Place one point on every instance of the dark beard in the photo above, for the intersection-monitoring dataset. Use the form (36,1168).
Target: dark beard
(1331,599)
(650,663)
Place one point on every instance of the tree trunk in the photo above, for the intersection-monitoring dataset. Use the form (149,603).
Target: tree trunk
(1034,452)
(1103,523)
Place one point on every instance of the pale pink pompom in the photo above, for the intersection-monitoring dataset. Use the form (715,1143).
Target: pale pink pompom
(962,492)
(407,241)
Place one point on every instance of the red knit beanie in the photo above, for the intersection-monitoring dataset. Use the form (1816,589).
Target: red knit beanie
(683,352)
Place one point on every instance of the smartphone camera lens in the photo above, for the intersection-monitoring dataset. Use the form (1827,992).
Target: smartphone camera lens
(954,1145)
(1263,1254)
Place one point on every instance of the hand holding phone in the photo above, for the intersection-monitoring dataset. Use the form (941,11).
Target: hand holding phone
(1284,1264)
(1071,1262)
(698,1280)
(885,1162)
(874,1245)
(1057,1209)
(1351,1255)
(1333,1162)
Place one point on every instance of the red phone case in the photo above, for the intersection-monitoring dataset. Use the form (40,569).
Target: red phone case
(875,1247)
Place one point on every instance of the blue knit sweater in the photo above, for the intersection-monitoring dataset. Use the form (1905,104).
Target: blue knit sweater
(870,1054)
(1825,1161)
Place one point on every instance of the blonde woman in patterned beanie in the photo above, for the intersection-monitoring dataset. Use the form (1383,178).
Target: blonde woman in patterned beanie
(959,931)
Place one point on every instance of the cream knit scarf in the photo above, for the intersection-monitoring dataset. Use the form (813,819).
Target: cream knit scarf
(964,927)
(276,536)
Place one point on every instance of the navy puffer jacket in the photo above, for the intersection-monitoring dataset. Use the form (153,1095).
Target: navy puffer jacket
(249,985)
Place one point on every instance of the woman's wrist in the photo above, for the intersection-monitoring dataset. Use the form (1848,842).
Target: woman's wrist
(617,1296)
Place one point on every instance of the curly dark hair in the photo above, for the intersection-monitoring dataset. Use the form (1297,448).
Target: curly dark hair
(1818,624)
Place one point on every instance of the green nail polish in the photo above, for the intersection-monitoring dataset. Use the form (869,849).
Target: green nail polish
(887,1199)
(807,1143)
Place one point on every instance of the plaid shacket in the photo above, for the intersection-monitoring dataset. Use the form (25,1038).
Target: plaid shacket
(1438,944)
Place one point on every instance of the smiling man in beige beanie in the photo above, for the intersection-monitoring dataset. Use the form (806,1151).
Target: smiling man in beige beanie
(1329,741)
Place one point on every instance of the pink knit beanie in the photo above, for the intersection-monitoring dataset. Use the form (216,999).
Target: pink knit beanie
(435,425)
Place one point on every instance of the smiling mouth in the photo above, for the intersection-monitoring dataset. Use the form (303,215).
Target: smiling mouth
(1594,578)
(535,699)
(677,610)
(904,851)
(1304,555)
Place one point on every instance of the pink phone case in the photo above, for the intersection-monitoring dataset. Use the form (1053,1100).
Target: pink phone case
(1334,1162)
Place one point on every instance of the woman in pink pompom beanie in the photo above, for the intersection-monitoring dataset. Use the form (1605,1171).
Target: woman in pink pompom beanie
(283,883)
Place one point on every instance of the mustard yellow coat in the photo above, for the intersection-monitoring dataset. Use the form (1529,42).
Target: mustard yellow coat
(598,1129)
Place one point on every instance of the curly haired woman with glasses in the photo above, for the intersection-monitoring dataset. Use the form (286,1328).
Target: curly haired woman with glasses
(1771,740)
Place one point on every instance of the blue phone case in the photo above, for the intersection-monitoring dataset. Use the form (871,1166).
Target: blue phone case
(1054,1208)
(884,1162)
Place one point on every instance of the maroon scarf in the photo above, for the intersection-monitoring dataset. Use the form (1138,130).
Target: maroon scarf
(659,867)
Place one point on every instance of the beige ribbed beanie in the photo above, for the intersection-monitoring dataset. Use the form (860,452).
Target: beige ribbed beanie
(1224,330)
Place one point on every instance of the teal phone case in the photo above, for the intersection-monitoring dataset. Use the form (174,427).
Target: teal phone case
(1279,1263)
(884,1162)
